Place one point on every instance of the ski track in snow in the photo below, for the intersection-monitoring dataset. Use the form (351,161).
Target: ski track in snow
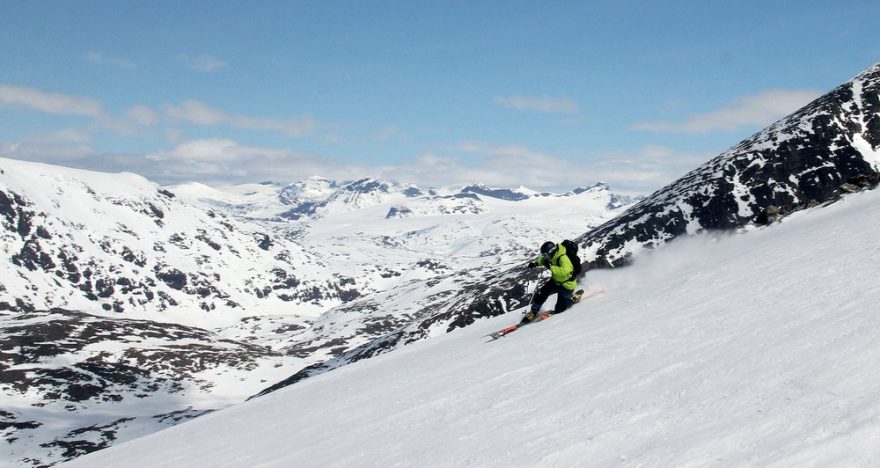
(758,348)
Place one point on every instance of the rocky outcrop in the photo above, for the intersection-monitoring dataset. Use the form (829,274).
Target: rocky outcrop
(808,158)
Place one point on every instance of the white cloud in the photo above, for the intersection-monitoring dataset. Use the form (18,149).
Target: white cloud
(50,103)
(540,104)
(511,165)
(69,135)
(750,111)
(102,58)
(135,119)
(520,152)
(199,113)
(646,169)
(142,115)
(203,63)
(642,171)
(213,150)
(388,133)
(225,160)
(62,146)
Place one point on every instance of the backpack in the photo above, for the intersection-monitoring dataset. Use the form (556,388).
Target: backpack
(571,249)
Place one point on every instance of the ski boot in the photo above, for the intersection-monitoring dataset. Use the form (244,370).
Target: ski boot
(531,315)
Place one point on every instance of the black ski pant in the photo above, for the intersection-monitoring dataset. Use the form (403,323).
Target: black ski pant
(563,297)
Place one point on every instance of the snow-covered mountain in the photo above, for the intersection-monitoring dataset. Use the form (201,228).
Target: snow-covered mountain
(749,349)
(829,147)
(346,271)
(119,243)
(99,265)
(317,197)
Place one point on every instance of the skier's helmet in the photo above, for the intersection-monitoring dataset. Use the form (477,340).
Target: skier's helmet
(547,248)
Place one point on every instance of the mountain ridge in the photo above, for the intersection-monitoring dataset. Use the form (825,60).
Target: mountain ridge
(765,171)
(122,256)
(726,193)
(753,348)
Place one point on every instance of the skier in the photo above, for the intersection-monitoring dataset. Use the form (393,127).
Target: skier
(562,282)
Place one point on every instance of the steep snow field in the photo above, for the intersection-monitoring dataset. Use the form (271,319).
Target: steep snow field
(759,348)
(373,259)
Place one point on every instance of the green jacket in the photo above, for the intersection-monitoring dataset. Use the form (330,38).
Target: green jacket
(561,268)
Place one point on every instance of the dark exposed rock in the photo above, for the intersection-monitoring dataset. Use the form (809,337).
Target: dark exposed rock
(502,194)
(129,256)
(74,444)
(32,257)
(155,211)
(181,415)
(174,278)
(798,162)
(152,358)
(203,236)
(413,192)
(398,212)
(8,421)
(265,242)
(302,210)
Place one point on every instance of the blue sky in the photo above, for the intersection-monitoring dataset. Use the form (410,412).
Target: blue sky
(550,95)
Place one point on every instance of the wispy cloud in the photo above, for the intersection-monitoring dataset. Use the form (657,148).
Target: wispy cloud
(142,115)
(388,133)
(225,160)
(203,63)
(436,170)
(646,169)
(642,171)
(540,104)
(51,103)
(505,165)
(136,121)
(749,111)
(102,58)
(199,113)
(61,146)
(213,150)
(523,154)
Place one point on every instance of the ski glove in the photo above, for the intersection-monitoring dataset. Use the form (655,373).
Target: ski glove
(532,265)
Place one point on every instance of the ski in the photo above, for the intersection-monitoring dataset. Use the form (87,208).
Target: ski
(577,297)
(506,331)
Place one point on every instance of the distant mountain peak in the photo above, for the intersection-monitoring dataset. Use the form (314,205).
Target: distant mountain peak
(502,194)
(369,184)
(598,186)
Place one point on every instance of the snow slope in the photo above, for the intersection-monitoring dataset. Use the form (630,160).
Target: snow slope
(758,348)
(175,303)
